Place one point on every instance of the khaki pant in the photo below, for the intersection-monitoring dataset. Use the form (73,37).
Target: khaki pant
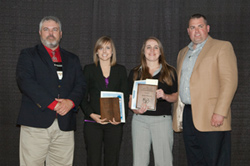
(52,145)
(155,130)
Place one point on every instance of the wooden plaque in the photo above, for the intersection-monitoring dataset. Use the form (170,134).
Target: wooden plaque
(109,108)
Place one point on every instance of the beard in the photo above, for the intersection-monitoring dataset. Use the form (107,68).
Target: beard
(50,44)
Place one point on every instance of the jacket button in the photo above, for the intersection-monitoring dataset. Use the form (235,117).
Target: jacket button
(59,86)
(39,105)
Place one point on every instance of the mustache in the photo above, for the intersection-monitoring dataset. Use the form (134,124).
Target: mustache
(50,36)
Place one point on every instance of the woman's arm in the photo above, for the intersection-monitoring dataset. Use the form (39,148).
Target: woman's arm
(168,97)
(142,110)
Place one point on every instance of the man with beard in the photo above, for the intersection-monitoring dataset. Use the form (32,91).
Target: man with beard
(52,86)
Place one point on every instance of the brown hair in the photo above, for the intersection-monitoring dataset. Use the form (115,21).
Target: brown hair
(142,71)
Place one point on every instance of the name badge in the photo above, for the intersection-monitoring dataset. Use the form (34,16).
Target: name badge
(60,75)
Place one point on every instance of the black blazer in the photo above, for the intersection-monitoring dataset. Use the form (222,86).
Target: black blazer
(39,84)
(96,84)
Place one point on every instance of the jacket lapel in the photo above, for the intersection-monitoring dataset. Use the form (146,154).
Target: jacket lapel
(100,77)
(203,53)
(112,77)
(45,57)
(64,62)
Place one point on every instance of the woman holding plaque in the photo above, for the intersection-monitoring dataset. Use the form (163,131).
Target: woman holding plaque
(103,75)
(154,127)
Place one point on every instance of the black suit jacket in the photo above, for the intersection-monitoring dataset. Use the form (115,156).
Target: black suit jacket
(39,84)
(96,84)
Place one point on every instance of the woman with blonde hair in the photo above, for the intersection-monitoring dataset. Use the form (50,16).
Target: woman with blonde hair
(154,127)
(103,75)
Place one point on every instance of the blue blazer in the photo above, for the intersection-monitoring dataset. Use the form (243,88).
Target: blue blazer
(39,84)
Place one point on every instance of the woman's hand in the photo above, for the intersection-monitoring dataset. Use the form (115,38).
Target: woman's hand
(160,94)
(98,119)
(114,122)
(168,97)
(142,110)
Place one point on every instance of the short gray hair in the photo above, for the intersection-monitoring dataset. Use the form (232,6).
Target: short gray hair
(47,18)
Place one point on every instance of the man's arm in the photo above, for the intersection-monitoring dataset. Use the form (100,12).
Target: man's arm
(228,75)
(26,80)
(75,97)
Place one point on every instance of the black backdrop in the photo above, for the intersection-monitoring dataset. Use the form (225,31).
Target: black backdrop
(128,23)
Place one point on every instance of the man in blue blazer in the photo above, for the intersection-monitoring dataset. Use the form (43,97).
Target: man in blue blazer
(52,86)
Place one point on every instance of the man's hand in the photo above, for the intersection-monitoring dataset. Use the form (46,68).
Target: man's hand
(63,106)
(217,120)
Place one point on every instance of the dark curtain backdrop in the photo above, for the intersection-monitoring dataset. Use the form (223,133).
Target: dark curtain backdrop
(128,23)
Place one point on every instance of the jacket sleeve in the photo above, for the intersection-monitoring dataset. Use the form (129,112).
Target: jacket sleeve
(27,83)
(124,88)
(79,89)
(228,78)
(85,104)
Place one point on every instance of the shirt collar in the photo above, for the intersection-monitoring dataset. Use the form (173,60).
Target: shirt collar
(199,46)
(156,72)
(50,50)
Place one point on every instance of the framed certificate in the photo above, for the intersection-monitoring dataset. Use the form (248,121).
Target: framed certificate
(146,94)
(134,104)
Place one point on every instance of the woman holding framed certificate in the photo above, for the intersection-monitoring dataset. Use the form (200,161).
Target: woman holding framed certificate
(103,75)
(153,127)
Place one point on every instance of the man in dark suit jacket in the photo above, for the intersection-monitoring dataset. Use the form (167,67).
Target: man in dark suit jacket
(52,86)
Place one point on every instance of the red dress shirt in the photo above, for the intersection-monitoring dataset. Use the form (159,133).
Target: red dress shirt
(59,59)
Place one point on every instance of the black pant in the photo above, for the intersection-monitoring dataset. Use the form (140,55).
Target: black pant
(102,138)
(205,148)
